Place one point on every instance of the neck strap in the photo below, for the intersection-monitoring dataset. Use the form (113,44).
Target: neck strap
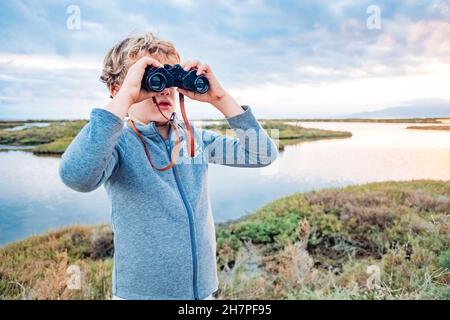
(189,133)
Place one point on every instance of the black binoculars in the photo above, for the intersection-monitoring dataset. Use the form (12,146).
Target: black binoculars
(157,79)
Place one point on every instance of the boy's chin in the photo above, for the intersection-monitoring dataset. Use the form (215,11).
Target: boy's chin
(166,112)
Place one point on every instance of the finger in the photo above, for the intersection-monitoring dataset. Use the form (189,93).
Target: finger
(203,68)
(187,93)
(187,65)
(191,64)
(146,95)
(149,61)
(183,91)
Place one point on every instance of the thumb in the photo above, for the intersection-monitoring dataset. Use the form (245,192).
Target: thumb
(144,95)
(187,93)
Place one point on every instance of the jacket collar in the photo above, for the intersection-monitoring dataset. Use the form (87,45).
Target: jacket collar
(147,130)
(151,132)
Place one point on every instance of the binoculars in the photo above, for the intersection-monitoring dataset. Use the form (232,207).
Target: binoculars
(158,79)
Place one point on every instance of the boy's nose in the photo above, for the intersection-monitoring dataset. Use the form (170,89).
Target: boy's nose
(165,92)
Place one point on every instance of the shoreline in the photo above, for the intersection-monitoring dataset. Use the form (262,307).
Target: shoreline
(54,138)
(284,249)
(437,120)
(435,127)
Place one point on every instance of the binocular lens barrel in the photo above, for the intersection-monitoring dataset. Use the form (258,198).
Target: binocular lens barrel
(157,82)
(201,85)
(158,79)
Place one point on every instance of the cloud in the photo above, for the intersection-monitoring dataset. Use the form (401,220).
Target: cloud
(181,3)
(345,96)
(269,53)
(47,62)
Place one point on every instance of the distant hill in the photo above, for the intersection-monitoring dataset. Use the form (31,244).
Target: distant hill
(422,111)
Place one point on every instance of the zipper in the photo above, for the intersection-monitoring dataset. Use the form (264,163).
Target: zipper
(190,218)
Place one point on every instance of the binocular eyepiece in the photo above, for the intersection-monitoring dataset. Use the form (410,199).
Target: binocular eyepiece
(158,79)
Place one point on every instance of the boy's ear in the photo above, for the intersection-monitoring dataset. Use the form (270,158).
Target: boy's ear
(113,90)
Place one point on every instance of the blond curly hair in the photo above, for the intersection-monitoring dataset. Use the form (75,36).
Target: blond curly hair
(120,57)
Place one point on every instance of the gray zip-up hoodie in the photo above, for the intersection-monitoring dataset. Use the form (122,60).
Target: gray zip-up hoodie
(164,237)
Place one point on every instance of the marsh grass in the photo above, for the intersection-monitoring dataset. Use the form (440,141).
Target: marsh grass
(55,138)
(377,241)
(52,139)
(399,228)
(288,134)
(442,128)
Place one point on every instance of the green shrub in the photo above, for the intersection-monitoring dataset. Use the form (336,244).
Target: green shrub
(444,259)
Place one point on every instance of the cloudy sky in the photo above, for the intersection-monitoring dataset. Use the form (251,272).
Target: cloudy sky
(284,58)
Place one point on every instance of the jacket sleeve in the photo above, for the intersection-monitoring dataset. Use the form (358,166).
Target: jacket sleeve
(251,146)
(92,157)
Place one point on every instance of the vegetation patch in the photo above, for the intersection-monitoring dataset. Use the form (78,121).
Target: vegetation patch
(56,137)
(386,240)
(441,128)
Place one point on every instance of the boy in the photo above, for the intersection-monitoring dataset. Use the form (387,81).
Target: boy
(163,228)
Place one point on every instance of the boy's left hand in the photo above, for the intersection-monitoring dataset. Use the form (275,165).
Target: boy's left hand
(215,92)
(216,95)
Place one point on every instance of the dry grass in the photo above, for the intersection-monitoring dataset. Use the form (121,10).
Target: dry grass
(444,128)
(376,241)
(37,268)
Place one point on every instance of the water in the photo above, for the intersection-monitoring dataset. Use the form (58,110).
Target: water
(28,125)
(34,200)
(4,147)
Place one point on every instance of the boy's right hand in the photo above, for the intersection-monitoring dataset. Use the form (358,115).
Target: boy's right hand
(131,86)
(130,91)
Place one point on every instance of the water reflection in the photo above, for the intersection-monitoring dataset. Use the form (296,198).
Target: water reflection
(376,152)
(33,199)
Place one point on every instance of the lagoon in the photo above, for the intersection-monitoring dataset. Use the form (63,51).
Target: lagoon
(34,200)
